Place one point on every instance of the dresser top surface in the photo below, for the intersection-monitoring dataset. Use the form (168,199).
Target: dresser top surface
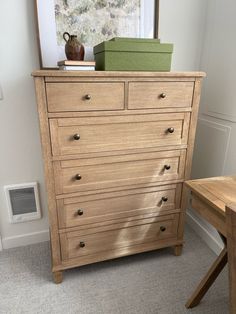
(58,73)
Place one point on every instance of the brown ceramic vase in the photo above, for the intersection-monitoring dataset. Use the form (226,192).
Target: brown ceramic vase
(73,48)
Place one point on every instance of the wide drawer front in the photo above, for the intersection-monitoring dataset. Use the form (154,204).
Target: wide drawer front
(109,172)
(83,210)
(106,134)
(160,94)
(77,244)
(84,96)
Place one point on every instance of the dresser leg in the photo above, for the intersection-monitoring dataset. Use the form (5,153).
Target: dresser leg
(57,277)
(178,250)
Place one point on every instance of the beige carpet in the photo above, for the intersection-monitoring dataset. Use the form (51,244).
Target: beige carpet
(155,282)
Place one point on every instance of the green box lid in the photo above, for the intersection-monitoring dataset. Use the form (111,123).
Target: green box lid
(138,40)
(133,46)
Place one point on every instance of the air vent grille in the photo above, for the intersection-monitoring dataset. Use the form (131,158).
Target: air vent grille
(23,202)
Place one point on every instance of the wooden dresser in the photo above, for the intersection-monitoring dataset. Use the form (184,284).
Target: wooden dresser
(117,147)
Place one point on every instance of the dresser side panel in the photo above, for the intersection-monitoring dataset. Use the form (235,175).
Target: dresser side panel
(48,169)
(189,156)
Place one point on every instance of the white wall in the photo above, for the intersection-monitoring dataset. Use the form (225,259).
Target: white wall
(215,149)
(181,22)
(20,157)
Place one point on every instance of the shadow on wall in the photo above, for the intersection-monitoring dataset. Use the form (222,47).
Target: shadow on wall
(210,151)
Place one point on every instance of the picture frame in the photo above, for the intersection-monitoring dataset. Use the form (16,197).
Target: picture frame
(48,27)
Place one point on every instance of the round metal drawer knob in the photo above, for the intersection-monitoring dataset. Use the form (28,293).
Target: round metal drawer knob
(163,95)
(76,137)
(167,167)
(87,97)
(164,199)
(78,177)
(82,244)
(162,228)
(80,212)
(170,130)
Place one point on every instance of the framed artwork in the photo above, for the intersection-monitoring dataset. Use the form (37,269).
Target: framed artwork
(93,21)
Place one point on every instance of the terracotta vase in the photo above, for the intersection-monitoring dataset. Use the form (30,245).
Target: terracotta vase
(73,48)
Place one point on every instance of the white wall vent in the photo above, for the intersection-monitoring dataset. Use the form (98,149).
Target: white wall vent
(23,202)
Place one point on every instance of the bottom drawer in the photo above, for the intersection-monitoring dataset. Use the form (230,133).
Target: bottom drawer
(122,235)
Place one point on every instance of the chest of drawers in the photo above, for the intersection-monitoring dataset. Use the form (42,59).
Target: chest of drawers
(117,147)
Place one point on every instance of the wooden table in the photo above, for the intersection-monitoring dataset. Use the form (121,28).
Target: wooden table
(214,199)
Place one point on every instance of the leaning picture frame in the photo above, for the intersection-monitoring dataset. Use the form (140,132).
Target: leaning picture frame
(92,21)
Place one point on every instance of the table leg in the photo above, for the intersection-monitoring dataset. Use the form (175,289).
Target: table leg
(231,244)
(208,279)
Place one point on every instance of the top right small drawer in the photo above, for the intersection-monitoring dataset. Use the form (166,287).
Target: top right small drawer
(144,95)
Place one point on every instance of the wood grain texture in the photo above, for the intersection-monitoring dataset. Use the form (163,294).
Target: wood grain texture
(120,155)
(178,250)
(231,247)
(117,238)
(57,276)
(160,94)
(192,129)
(115,74)
(108,207)
(205,211)
(216,191)
(123,171)
(85,96)
(208,280)
(189,156)
(48,169)
(118,133)
(80,114)
(210,197)
(119,252)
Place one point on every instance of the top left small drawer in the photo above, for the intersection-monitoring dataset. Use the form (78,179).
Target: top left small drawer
(84,96)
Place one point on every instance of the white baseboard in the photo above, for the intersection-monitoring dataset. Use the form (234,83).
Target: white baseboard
(42,236)
(25,239)
(214,244)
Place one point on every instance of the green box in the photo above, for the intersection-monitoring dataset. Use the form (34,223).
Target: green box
(137,40)
(133,54)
